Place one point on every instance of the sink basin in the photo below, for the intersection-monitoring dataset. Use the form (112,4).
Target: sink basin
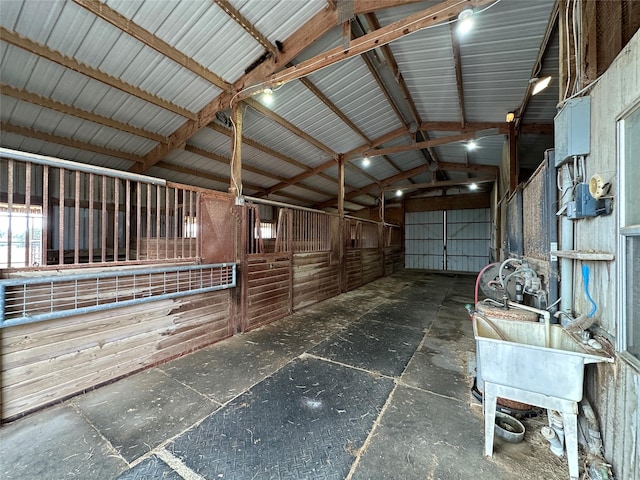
(517,354)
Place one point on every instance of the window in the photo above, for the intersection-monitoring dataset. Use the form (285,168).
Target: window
(20,235)
(629,242)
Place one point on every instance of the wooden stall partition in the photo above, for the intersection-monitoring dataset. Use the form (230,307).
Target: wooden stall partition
(268,288)
(46,362)
(315,278)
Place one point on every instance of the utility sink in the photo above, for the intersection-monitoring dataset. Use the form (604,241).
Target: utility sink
(533,357)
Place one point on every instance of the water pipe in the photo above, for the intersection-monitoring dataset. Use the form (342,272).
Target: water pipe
(566,242)
(478,281)
(554,442)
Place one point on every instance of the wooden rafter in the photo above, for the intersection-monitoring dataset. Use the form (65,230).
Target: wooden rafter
(252,169)
(457,63)
(440,184)
(419,145)
(208,175)
(103,11)
(413,23)
(372,19)
(247,26)
(57,139)
(321,23)
(78,113)
(54,56)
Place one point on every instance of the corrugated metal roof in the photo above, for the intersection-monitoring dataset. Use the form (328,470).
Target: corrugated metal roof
(497,61)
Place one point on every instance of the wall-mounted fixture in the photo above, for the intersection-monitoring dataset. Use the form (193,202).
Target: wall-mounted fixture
(511,116)
(572,129)
(539,84)
(585,205)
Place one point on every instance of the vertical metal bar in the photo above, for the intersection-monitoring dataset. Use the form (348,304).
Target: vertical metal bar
(91,219)
(185,222)
(45,214)
(76,220)
(10,181)
(148,219)
(158,235)
(2,301)
(196,226)
(191,215)
(116,219)
(127,228)
(175,222)
(166,222)
(138,218)
(61,195)
(103,233)
(27,201)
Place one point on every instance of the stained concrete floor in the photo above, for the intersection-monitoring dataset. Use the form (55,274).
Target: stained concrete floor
(373,384)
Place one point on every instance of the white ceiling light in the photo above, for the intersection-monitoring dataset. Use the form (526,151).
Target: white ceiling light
(398,193)
(465,21)
(473,186)
(539,84)
(366,162)
(472,145)
(267,95)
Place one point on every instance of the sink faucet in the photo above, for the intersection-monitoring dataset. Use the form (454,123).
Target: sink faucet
(545,315)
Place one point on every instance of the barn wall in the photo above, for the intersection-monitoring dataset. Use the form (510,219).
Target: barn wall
(47,361)
(612,388)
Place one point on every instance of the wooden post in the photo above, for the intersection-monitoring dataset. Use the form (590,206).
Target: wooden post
(513,158)
(236,152)
(341,230)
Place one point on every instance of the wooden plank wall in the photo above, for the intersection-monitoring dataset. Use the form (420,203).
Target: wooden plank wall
(268,288)
(372,264)
(315,278)
(48,361)
(353,259)
(393,259)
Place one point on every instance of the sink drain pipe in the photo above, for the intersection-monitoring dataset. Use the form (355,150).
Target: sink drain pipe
(554,442)
(597,467)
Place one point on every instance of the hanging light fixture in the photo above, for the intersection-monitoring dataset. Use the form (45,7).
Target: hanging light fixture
(472,145)
(465,21)
(366,162)
(267,95)
(473,186)
(398,193)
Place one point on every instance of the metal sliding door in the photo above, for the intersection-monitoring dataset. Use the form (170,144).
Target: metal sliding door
(456,240)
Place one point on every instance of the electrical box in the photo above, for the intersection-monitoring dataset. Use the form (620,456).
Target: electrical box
(572,129)
(584,205)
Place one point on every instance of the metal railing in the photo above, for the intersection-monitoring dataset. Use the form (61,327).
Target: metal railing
(36,299)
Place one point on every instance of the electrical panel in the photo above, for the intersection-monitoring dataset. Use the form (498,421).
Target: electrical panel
(572,129)
(584,205)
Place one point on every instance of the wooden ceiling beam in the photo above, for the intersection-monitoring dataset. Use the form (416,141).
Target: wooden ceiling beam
(502,127)
(247,26)
(68,142)
(440,184)
(311,31)
(419,145)
(108,14)
(434,15)
(271,115)
(457,63)
(54,56)
(208,175)
(252,169)
(78,113)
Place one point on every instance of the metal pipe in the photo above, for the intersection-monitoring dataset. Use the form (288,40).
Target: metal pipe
(25,319)
(566,243)
(545,314)
(66,164)
(284,205)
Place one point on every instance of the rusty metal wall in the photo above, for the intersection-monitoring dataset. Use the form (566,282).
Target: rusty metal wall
(535,215)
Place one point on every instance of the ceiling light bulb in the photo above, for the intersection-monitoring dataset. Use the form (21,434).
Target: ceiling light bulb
(471,145)
(473,186)
(366,162)
(540,85)
(511,116)
(268,90)
(268,96)
(465,21)
(398,193)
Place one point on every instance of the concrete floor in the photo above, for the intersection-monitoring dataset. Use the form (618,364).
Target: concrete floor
(373,384)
